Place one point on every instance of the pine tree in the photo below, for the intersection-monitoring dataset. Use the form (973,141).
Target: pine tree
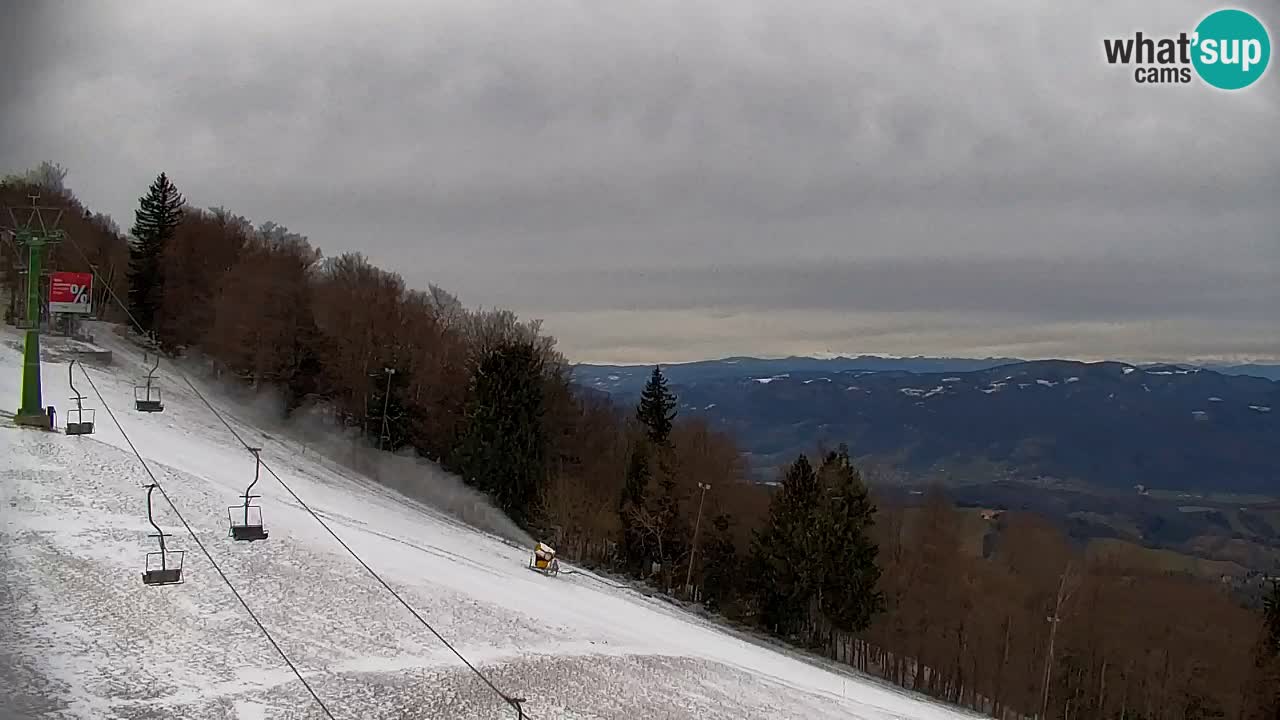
(156,219)
(673,535)
(848,594)
(656,413)
(814,560)
(721,576)
(657,408)
(635,498)
(783,553)
(503,443)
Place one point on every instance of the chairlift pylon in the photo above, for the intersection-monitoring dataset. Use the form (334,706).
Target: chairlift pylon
(80,420)
(146,398)
(245,520)
(159,569)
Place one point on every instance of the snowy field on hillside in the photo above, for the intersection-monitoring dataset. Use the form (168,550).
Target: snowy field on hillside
(83,637)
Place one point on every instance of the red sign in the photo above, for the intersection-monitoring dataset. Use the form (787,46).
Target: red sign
(71,293)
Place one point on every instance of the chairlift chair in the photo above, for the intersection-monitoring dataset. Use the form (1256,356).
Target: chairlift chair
(161,568)
(146,398)
(245,520)
(80,420)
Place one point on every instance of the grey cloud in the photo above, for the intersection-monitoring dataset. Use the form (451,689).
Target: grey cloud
(943,157)
(1103,289)
(683,335)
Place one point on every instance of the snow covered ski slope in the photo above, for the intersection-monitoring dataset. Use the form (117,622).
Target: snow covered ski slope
(82,637)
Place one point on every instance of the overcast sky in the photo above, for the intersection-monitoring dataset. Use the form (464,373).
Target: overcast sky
(665,181)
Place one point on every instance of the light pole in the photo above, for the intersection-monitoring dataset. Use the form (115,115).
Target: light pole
(1064,593)
(386,400)
(688,576)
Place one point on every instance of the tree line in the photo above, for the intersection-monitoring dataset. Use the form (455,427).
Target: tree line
(1005,616)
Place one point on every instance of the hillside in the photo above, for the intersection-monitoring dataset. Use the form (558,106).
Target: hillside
(84,638)
(1109,425)
(629,379)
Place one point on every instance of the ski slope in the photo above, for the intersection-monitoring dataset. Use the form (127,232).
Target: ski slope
(82,637)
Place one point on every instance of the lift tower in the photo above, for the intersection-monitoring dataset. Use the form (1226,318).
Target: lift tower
(34,228)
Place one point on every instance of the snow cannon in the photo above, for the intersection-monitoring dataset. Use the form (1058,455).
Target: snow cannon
(544,560)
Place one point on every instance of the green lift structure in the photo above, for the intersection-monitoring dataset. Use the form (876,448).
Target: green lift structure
(34,235)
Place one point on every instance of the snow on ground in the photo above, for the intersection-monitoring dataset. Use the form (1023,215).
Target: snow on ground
(83,637)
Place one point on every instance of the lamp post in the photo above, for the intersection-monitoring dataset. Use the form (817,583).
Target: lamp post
(386,401)
(688,576)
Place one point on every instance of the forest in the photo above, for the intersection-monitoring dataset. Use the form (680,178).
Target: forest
(1031,625)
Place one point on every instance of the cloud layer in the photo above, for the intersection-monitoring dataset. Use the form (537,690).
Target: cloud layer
(850,176)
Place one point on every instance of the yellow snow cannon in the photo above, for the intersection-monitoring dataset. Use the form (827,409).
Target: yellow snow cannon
(544,560)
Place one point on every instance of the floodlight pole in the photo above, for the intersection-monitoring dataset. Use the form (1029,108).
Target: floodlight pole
(688,576)
(36,236)
(386,401)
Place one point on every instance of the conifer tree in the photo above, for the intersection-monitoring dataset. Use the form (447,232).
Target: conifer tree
(721,575)
(157,217)
(502,447)
(673,534)
(848,594)
(657,408)
(635,498)
(783,553)
(656,413)
(814,559)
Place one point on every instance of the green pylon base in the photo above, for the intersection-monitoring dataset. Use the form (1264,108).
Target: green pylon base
(40,421)
(32,413)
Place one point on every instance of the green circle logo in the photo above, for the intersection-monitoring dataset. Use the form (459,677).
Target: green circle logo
(1232,49)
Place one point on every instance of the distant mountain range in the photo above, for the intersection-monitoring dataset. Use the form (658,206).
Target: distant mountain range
(627,379)
(1108,425)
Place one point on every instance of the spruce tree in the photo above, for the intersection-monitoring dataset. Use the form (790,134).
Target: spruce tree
(656,413)
(156,220)
(783,553)
(502,446)
(721,575)
(635,496)
(657,408)
(848,594)
(666,510)
(814,560)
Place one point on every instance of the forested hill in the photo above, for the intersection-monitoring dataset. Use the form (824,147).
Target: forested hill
(1109,424)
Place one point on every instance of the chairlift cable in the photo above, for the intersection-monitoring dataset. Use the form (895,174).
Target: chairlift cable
(514,702)
(203,549)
